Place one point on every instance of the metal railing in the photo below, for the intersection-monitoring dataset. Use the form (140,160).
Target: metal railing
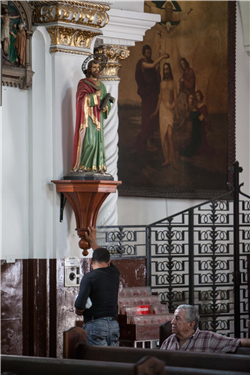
(198,256)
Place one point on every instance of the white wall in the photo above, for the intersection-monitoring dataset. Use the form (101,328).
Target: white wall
(15,176)
(136,6)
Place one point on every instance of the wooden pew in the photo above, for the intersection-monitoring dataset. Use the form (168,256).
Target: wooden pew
(80,350)
(20,365)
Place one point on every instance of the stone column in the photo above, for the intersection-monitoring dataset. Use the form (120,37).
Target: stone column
(114,53)
(27,62)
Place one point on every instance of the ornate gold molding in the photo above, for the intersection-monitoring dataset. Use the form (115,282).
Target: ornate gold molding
(110,79)
(67,36)
(113,53)
(76,12)
(64,50)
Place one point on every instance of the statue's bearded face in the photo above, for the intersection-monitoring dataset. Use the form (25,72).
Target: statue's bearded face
(95,70)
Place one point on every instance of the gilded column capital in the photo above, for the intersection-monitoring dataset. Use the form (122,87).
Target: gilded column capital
(114,53)
(72,25)
(75,12)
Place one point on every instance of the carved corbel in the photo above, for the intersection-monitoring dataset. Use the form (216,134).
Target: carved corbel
(17,77)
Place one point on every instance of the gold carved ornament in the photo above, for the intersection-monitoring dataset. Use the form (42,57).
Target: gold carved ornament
(67,36)
(76,12)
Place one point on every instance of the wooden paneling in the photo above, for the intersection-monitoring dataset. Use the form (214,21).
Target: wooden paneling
(37,307)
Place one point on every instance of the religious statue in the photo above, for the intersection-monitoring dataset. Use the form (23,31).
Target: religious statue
(92,107)
(20,44)
(5,31)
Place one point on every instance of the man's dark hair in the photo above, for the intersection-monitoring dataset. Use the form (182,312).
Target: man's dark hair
(101,255)
(88,71)
(185,61)
(144,48)
(170,71)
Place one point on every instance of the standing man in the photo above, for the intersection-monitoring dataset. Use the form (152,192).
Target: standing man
(187,336)
(148,80)
(20,44)
(89,148)
(101,286)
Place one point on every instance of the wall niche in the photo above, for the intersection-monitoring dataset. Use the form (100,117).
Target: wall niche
(16,32)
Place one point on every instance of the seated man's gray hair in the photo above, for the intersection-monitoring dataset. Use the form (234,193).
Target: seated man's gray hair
(191,314)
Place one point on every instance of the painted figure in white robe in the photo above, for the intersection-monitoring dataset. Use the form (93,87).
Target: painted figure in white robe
(167,110)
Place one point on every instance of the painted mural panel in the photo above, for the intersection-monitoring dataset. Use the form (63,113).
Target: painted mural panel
(173,103)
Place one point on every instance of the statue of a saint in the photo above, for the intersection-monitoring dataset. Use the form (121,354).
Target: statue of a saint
(89,148)
(20,44)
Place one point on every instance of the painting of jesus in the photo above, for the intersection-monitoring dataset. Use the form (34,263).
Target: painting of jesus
(174,116)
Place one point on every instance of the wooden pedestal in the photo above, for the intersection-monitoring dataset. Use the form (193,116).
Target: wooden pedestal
(86,198)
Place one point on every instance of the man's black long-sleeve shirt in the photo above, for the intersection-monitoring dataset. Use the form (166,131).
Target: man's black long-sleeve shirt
(101,285)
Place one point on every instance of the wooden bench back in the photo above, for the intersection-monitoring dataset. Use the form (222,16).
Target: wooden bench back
(19,365)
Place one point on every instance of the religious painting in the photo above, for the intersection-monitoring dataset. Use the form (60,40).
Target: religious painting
(176,103)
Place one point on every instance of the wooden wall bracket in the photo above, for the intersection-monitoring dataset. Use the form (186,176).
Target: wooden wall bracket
(86,198)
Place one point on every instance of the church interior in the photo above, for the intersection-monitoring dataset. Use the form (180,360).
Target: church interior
(172,209)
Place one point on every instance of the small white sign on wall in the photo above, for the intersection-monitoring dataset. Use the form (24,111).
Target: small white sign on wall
(72,272)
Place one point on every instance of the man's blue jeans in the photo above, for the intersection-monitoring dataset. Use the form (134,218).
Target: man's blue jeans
(103,332)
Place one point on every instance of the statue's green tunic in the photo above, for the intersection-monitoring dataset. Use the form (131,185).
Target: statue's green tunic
(89,147)
(11,47)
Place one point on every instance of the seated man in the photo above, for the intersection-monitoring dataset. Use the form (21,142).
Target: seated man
(101,285)
(187,336)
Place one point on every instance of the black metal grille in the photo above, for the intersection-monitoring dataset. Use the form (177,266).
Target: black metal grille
(198,256)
